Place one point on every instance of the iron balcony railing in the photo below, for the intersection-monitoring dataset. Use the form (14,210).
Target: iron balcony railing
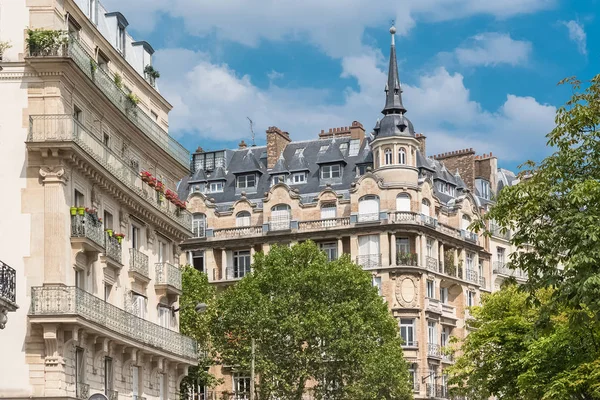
(138,262)
(430,390)
(238,232)
(87,226)
(407,259)
(106,82)
(168,274)
(402,217)
(65,128)
(432,264)
(500,267)
(416,387)
(472,275)
(280,223)
(368,261)
(368,217)
(434,350)
(429,221)
(8,283)
(482,282)
(321,224)
(57,300)
(469,236)
(114,249)
(499,232)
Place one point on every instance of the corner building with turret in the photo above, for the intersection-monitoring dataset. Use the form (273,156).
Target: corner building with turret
(399,214)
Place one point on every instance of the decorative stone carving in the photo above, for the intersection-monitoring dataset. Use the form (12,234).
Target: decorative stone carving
(151,234)
(53,174)
(407,291)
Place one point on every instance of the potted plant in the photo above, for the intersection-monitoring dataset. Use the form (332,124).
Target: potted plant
(151,74)
(160,187)
(118,81)
(93,67)
(4,45)
(120,237)
(73,210)
(80,210)
(146,176)
(46,42)
(109,232)
(133,99)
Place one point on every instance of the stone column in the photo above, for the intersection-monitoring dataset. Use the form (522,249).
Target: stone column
(384,249)
(223,264)
(340,247)
(353,247)
(423,250)
(394,251)
(252,251)
(441,254)
(57,221)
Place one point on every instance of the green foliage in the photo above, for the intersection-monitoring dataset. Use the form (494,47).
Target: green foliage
(45,42)
(151,72)
(93,66)
(4,45)
(523,350)
(196,289)
(311,319)
(119,81)
(133,99)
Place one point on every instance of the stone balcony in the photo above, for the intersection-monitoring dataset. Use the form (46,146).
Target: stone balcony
(168,278)
(8,292)
(448,311)
(433,305)
(105,82)
(53,304)
(63,131)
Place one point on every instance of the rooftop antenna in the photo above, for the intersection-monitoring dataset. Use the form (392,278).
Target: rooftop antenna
(252,130)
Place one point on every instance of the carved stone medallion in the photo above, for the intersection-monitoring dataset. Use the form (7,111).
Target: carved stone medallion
(407,291)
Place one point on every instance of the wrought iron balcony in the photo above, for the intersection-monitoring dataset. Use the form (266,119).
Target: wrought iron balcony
(431,390)
(63,301)
(169,275)
(368,217)
(429,221)
(469,236)
(82,390)
(87,226)
(434,350)
(8,285)
(138,263)
(472,275)
(280,223)
(369,261)
(402,217)
(114,249)
(499,232)
(432,264)
(407,259)
(64,129)
(500,268)
(323,224)
(238,232)
(105,81)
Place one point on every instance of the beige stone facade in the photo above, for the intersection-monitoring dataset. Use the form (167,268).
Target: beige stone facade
(97,313)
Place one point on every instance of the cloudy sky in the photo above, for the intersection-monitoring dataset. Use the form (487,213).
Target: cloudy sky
(475,73)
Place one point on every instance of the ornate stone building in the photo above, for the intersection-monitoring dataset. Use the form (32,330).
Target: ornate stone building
(402,216)
(90,219)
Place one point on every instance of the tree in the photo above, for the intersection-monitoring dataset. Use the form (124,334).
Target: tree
(522,350)
(196,289)
(316,324)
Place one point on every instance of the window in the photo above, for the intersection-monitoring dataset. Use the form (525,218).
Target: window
(197,260)
(299,177)
(470,264)
(77,114)
(216,187)
(368,209)
(368,251)
(361,170)
(79,199)
(429,246)
(466,221)
(445,336)
(199,225)
(470,298)
(407,331)
(242,218)
(108,375)
(219,159)
(444,295)
(135,381)
(121,39)
(209,161)
(402,156)
(389,158)
(425,207)
(277,179)
(403,202)
(80,278)
(154,116)
(445,187)
(483,187)
(323,149)
(402,245)
(330,249)
(298,152)
(241,263)
(412,373)
(430,289)
(344,148)
(102,62)
(246,181)
(106,140)
(377,284)
(73,27)
(107,290)
(164,315)
(135,237)
(79,366)
(139,305)
(162,387)
(241,385)
(501,255)
(354,147)
(328,211)
(431,332)
(280,217)
(331,171)
(108,220)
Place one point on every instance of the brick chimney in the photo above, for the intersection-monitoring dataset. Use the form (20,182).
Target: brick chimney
(242,145)
(461,160)
(276,142)
(354,131)
(421,139)
(486,167)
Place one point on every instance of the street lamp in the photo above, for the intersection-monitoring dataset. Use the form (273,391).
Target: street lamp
(201,309)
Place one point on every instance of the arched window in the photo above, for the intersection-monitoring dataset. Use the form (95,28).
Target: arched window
(389,158)
(402,156)
(403,202)
(466,221)
(425,207)
(242,219)
(368,208)
(281,215)
(199,225)
(328,214)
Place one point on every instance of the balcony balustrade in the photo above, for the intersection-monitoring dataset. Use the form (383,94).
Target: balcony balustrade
(280,223)
(233,272)
(238,232)
(169,275)
(434,350)
(430,390)
(433,305)
(88,226)
(432,264)
(429,221)
(368,217)
(472,275)
(407,259)
(402,217)
(62,301)
(321,224)
(105,81)
(369,261)
(499,232)
(63,128)
(469,236)
(114,249)
(8,285)
(448,311)
(500,268)
(138,263)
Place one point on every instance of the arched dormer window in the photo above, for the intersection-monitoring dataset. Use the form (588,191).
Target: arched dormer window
(403,202)
(199,225)
(242,219)
(368,208)
(402,156)
(425,207)
(389,158)
(281,216)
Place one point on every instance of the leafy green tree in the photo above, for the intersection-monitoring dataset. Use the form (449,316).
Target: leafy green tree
(316,324)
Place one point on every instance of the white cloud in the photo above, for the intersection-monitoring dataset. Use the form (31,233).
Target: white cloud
(213,101)
(273,75)
(335,26)
(577,34)
(492,49)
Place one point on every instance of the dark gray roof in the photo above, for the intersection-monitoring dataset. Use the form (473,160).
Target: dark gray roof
(394,125)
(244,161)
(280,167)
(219,174)
(199,176)
(331,155)
(393,91)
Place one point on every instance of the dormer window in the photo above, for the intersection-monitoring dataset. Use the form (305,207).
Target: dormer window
(216,187)
(277,179)
(246,181)
(361,170)
(331,171)
(446,188)
(121,39)
(483,187)
(402,156)
(299,177)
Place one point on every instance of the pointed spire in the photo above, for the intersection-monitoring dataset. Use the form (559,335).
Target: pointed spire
(393,91)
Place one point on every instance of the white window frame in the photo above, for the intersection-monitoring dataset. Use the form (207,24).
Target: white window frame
(429,246)
(407,331)
(426,207)
(403,244)
(242,261)
(470,298)
(376,281)
(299,178)
(164,315)
(243,218)
(331,249)
(368,208)
(247,181)
(403,202)
(388,157)
(444,295)
(216,187)
(277,179)
(199,225)
(121,38)
(431,332)
(240,385)
(430,288)
(139,304)
(330,171)
(402,156)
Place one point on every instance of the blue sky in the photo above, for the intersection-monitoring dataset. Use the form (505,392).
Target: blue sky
(475,73)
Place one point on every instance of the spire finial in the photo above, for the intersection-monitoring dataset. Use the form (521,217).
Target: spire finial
(393,32)
(393,90)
